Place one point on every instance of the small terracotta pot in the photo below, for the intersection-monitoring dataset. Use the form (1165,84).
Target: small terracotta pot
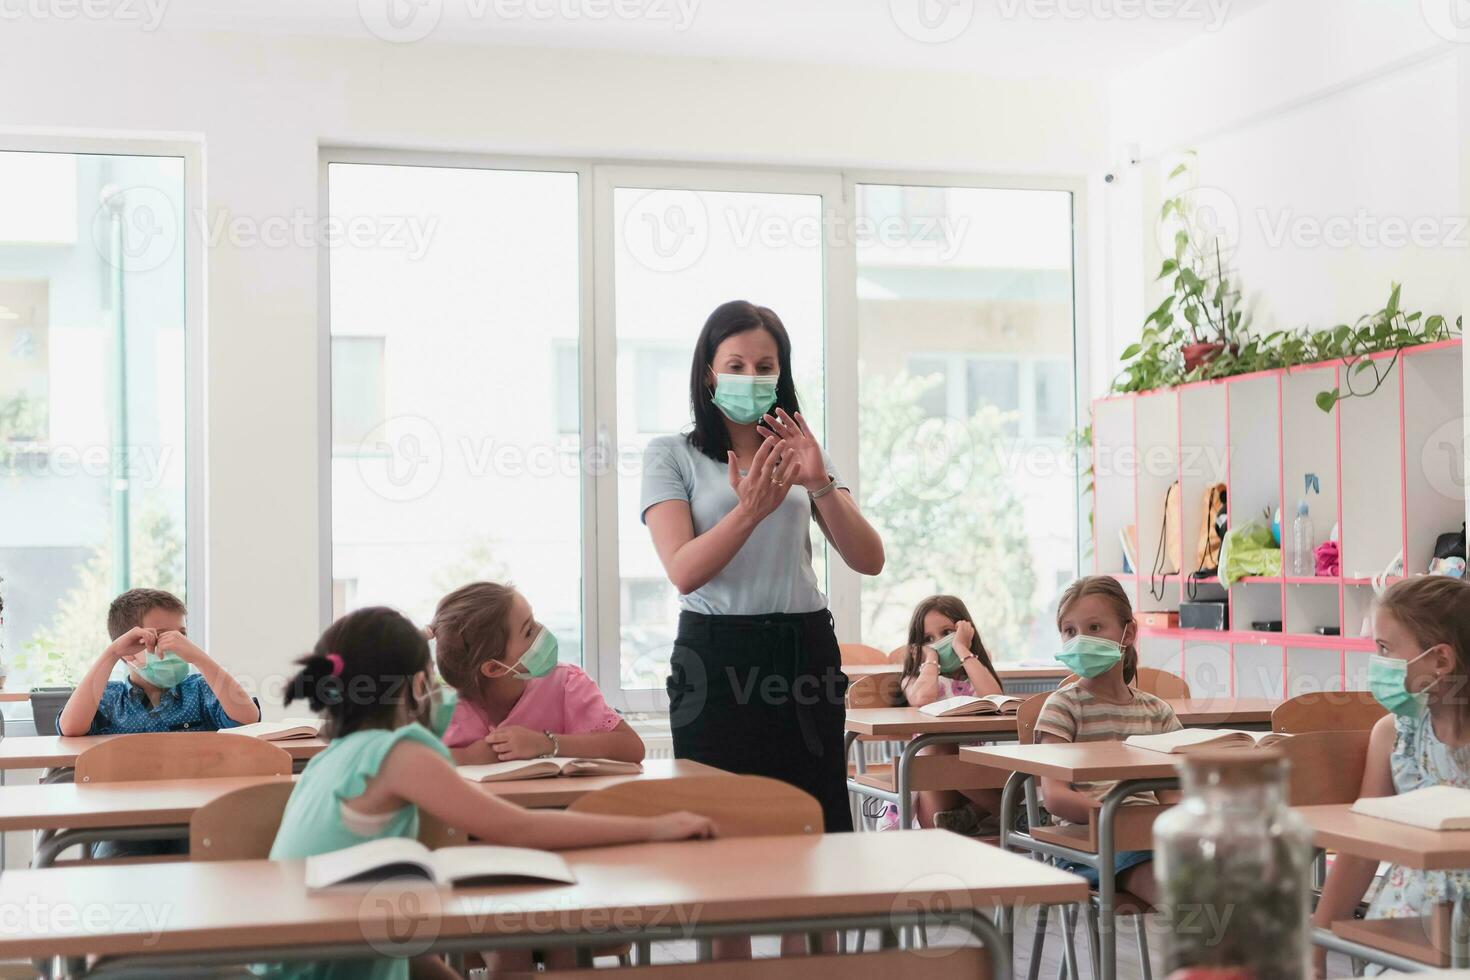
(1198,354)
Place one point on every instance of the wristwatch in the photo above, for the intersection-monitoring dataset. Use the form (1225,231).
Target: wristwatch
(555,746)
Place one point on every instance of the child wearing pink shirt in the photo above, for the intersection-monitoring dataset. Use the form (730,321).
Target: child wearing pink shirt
(516,701)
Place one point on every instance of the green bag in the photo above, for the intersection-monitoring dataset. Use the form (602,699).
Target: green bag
(1248,550)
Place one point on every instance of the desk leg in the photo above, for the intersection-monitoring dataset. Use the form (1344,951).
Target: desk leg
(1460,933)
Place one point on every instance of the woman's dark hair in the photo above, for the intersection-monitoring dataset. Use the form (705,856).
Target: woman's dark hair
(954,608)
(709,435)
(361,670)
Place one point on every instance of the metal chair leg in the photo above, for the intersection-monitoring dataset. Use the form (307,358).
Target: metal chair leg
(1038,943)
(1069,942)
(1140,925)
(1094,939)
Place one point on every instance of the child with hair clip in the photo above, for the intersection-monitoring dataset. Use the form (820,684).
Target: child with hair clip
(369,678)
(945,659)
(1421,627)
(1097,630)
(515,701)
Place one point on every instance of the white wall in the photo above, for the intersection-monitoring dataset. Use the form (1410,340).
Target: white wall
(1330,127)
(260,107)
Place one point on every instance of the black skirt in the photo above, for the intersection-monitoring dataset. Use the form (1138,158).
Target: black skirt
(763,696)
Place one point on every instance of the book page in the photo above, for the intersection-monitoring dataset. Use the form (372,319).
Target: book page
(492,772)
(959,705)
(1188,738)
(1431,807)
(597,767)
(369,859)
(478,862)
(286,728)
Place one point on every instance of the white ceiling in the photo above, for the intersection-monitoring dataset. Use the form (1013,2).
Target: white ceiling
(1087,39)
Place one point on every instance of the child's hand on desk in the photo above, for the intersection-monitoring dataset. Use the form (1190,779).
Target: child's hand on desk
(132,643)
(517,742)
(683,826)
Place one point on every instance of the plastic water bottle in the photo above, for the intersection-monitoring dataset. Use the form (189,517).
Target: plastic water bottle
(1303,559)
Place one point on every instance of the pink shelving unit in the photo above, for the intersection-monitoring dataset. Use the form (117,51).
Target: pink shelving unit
(1390,468)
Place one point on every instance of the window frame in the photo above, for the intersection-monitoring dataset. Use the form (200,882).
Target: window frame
(196,436)
(597,338)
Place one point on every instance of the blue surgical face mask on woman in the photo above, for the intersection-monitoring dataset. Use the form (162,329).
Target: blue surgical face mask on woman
(1089,656)
(1388,679)
(744,398)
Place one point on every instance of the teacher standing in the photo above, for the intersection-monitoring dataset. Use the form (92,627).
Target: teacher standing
(755,679)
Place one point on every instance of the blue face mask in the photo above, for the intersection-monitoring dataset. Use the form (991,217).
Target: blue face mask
(164,672)
(949,661)
(1388,679)
(1089,656)
(744,398)
(539,658)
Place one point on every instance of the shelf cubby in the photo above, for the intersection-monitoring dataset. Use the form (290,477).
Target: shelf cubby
(1391,470)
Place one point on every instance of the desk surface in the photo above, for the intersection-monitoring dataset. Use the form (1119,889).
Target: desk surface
(1076,761)
(1337,827)
(161,802)
(191,907)
(54,751)
(904,722)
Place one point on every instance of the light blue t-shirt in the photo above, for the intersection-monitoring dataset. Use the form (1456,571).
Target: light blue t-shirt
(772,572)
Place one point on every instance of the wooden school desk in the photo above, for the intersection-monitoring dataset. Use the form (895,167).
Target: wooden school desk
(912,772)
(1338,828)
(217,912)
(918,730)
(1136,770)
(57,754)
(68,814)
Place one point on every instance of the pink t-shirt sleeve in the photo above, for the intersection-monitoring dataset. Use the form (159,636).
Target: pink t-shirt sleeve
(467,725)
(585,710)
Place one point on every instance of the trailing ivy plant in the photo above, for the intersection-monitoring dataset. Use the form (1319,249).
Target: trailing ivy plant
(1203,307)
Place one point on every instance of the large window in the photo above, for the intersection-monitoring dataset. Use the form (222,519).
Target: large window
(94,381)
(496,380)
(967,393)
(677,255)
(455,328)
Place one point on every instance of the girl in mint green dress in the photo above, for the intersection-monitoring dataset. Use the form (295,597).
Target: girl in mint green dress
(369,677)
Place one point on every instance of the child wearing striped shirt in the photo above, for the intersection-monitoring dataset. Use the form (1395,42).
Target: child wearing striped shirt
(1095,620)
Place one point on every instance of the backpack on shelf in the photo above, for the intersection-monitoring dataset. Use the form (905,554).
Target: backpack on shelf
(1214,521)
(1168,557)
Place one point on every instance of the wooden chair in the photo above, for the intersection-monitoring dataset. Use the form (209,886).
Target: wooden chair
(1026,716)
(1150,680)
(1327,711)
(742,806)
(1326,767)
(860,653)
(876,691)
(897,654)
(960,963)
(180,755)
(241,825)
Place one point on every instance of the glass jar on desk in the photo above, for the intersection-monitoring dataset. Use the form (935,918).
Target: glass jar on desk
(1234,868)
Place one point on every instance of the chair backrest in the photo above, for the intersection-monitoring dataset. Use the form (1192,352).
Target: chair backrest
(1026,716)
(742,806)
(1326,767)
(241,825)
(46,706)
(1327,711)
(1150,680)
(876,691)
(897,654)
(958,963)
(861,653)
(180,755)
